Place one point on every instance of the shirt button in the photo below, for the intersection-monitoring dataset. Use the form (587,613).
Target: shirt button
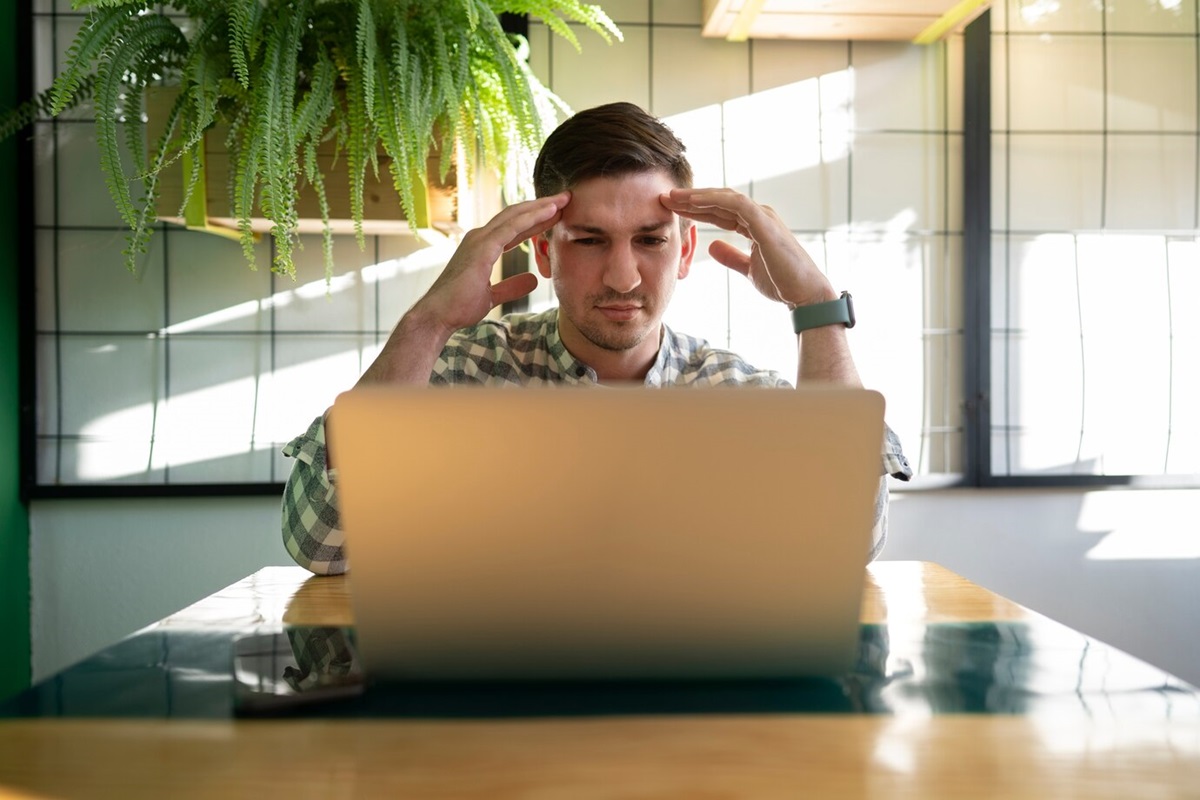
(581,372)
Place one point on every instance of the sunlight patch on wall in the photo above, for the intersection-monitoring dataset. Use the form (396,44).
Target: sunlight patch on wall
(1094,361)
(431,256)
(116,445)
(211,422)
(1142,525)
(769,134)
(786,130)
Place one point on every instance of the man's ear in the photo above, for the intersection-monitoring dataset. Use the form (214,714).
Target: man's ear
(541,253)
(688,251)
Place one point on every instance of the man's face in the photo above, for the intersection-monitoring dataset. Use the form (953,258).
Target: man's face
(614,258)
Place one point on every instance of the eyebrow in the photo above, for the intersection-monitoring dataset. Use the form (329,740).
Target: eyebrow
(593,229)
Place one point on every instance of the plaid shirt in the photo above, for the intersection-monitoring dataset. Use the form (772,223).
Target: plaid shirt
(520,349)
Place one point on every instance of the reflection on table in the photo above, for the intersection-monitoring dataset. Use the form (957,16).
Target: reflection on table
(956,691)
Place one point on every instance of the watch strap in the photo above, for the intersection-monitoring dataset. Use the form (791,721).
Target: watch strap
(818,315)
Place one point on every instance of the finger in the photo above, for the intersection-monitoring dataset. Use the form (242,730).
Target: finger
(726,254)
(533,230)
(513,288)
(727,200)
(700,206)
(520,221)
(720,220)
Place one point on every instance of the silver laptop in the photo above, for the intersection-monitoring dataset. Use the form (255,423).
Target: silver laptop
(566,533)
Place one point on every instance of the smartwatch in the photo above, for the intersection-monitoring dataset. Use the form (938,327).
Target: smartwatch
(835,312)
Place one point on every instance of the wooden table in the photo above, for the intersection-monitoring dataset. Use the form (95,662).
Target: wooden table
(1078,719)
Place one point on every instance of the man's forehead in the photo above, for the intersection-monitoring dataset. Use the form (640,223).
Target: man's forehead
(626,203)
(586,226)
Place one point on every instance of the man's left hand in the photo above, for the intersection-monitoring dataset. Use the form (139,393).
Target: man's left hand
(777,265)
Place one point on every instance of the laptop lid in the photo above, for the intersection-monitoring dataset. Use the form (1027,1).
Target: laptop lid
(574,533)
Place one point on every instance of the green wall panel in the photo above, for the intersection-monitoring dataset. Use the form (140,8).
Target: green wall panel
(14,519)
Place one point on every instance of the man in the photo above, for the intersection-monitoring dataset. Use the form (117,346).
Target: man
(612,228)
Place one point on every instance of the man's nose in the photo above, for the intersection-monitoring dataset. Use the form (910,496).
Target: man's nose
(621,273)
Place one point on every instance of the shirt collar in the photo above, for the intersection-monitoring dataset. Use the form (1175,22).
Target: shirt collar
(665,366)
(573,371)
(562,364)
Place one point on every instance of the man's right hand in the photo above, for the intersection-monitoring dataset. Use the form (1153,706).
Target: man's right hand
(463,294)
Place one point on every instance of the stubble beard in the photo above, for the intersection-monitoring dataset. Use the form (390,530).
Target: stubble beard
(617,336)
(616,341)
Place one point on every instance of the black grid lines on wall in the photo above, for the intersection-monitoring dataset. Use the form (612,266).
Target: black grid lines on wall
(1095,358)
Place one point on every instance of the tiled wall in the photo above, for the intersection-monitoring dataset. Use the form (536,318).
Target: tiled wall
(1096,261)
(198,369)
(857,145)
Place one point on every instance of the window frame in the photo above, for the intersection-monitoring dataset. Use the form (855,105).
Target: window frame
(977,295)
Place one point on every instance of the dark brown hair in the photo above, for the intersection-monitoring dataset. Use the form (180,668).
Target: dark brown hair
(609,140)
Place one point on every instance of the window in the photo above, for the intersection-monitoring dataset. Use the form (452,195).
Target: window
(1095,348)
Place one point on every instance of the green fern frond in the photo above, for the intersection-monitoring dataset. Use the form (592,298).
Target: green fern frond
(192,180)
(146,33)
(418,116)
(472,13)
(317,103)
(316,180)
(243,16)
(367,51)
(396,142)
(359,146)
(405,78)
(460,50)
(139,236)
(559,27)
(453,50)
(308,160)
(403,144)
(102,30)
(312,114)
(514,94)
(274,126)
(15,119)
(245,154)
(81,5)
(442,84)
(557,13)
(245,186)
(131,117)
(203,76)
(550,105)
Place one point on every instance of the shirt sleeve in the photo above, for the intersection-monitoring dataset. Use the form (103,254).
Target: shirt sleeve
(311,530)
(894,461)
(896,465)
(879,529)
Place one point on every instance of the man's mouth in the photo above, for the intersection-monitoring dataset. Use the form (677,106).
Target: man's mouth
(619,312)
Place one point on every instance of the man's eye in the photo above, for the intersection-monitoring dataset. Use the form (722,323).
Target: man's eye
(586,240)
(654,241)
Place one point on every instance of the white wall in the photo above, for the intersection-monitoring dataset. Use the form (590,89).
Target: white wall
(1122,566)
(102,569)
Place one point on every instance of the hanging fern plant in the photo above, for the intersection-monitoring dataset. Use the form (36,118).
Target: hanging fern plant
(405,77)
